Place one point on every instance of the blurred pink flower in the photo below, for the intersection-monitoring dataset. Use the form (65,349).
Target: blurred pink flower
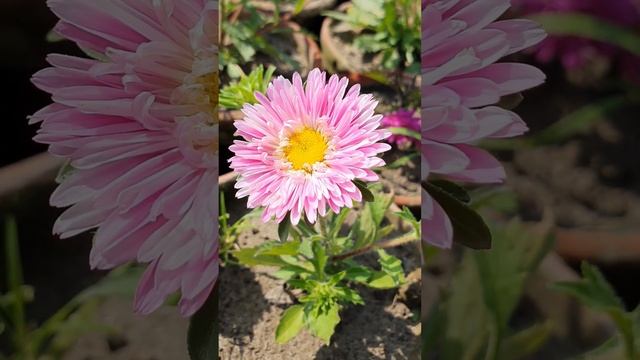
(461,42)
(575,52)
(304,145)
(405,119)
(139,127)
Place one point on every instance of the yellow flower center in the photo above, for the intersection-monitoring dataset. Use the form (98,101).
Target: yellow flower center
(306,147)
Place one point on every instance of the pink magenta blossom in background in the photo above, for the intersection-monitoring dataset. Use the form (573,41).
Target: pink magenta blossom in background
(405,119)
(462,40)
(575,52)
(340,129)
(139,127)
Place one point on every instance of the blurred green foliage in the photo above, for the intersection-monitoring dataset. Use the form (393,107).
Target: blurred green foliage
(52,338)
(472,319)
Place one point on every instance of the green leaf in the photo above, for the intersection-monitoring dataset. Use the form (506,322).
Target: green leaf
(405,132)
(284,228)
(402,161)
(357,273)
(238,93)
(469,229)
(579,121)
(64,172)
(299,6)
(452,189)
(408,216)
(319,259)
(589,27)
(121,282)
(249,257)
(366,229)
(483,294)
(381,280)
(291,322)
(594,291)
(391,265)
(526,342)
(511,101)
(349,295)
(337,222)
(202,336)
(278,248)
(367,195)
(324,324)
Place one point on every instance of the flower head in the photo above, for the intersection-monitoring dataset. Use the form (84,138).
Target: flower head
(461,42)
(303,145)
(139,127)
(404,119)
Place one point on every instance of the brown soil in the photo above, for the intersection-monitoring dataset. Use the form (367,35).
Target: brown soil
(405,180)
(160,336)
(591,180)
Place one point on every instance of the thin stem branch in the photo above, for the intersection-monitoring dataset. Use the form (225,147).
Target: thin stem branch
(323,226)
(401,240)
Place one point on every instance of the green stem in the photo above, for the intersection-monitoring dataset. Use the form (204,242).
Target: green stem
(323,226)
(15,282)
(399,241)
(494,340)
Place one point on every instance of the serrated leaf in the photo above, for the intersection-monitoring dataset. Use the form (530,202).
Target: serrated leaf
(351,296)
(381,280)
(324,324)
(469,229)
(593,289)
(202,336)
(358,274)
(291,323)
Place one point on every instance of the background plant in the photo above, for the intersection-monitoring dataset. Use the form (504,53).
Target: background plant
(237,93)
(245,34)
(54,336)
(386,27)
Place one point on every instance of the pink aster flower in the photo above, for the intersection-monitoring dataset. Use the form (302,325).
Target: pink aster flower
(304,145)
(405,119)
(461,42)
(139,127)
